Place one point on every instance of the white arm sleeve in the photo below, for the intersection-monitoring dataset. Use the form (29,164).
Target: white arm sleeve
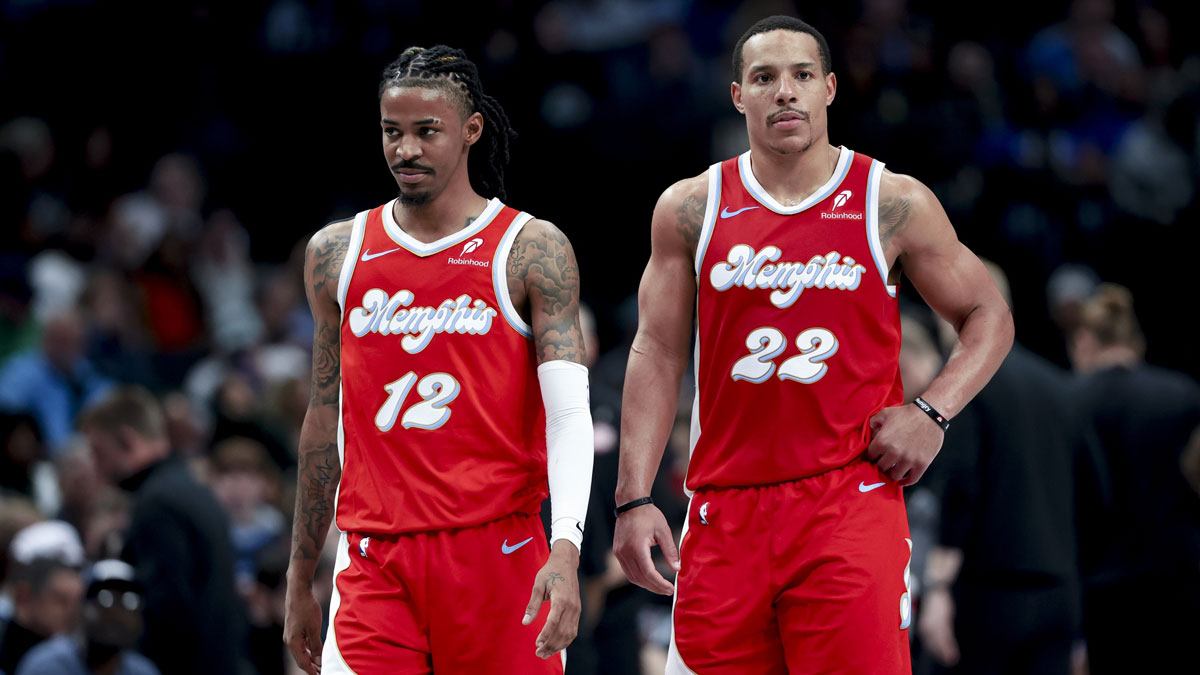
(569,447)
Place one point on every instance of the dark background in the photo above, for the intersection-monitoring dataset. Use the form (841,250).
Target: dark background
(614,102)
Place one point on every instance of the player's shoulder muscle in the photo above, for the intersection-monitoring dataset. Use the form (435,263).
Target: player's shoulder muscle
(324,255)
(679,215)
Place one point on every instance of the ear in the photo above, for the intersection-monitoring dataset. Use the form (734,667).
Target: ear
(830,88)
(472,129)
(735,92)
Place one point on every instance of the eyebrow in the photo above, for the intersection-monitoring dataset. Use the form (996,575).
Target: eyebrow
(427,120)
(766,66)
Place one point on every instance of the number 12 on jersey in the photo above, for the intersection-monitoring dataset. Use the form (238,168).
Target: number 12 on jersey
(815,345)
(436,390)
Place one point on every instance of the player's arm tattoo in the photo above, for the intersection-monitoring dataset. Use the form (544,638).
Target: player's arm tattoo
(319,464)
(690,219)
(543,273)
(893,217)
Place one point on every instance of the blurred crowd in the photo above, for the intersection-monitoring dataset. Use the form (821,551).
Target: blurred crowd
(160,184)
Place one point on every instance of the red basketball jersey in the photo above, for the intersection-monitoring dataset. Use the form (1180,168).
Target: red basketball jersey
(798,333)
(442,424)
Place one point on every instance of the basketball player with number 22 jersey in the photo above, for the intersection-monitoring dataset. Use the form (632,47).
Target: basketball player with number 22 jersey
(449,397)
(795,554)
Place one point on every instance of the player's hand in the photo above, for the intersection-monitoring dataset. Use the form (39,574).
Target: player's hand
(637,530)
(935,624)
(558,582)
(302,627)
(904,442)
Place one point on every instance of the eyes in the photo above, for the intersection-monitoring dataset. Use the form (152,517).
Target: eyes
(393,132)
(766,78)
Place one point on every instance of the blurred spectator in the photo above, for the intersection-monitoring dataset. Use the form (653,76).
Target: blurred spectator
(265,599)
(224,276)
(112,623)
(18,329)
(46,588)
(20,447)
(117,342)
(246,483)
(170,205)
(1143,552)
(1002,588)
(178,539)
(54,382)
(16,514)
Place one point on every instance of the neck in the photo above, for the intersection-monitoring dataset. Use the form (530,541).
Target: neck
(456,207)
(791,177)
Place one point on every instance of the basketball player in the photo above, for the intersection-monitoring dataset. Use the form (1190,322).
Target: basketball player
(447,372)
(794,555)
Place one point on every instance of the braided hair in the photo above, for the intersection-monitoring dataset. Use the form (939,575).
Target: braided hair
(448,69)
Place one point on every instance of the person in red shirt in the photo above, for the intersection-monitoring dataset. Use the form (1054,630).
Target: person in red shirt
(794,555)
(448,395)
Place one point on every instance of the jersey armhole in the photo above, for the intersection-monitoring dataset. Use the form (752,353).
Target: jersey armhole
(500,277)
(357,234)
(873,179)
(710,214)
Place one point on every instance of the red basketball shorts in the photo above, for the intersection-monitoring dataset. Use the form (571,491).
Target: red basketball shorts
(445,602)
(809,576)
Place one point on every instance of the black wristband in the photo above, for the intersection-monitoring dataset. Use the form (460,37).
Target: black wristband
(933,414)
(641,501)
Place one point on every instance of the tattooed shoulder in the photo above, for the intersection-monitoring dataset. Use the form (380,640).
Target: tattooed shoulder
(689,214)
(895,206)
(325,254)
(543,281)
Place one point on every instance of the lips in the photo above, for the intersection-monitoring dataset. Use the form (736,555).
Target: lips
(410,177)
(786,120)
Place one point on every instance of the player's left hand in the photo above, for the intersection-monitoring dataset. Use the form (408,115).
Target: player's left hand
(557,582)
(904,442)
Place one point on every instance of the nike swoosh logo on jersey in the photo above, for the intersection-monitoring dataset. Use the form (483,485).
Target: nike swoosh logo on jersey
(506,549)
(367,255)
(726,213)
(863,487)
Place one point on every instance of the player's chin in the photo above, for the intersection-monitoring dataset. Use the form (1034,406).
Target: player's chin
(790,141)
(412,197)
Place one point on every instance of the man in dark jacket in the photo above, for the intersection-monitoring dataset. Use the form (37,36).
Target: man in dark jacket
(178,539)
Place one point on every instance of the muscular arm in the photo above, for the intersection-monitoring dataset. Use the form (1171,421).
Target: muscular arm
(659,356)
(320,468)
(656,363)
(916,233)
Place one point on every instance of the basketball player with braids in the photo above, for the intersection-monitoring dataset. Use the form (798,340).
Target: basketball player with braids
(448,394)
(794,555)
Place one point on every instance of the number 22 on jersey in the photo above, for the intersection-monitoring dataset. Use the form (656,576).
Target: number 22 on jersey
(436,390)
(815,345)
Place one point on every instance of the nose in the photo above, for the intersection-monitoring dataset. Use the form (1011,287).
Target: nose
(787,91)
(408,148)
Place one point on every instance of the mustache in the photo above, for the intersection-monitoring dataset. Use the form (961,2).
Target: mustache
(410,164)
(777,115)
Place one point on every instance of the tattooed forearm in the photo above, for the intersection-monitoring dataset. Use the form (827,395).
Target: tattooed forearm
(319,473)
(690,219)
(544,274)
(893,217)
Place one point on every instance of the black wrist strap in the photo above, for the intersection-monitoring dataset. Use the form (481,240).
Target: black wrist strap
(641,501)
(933,414)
